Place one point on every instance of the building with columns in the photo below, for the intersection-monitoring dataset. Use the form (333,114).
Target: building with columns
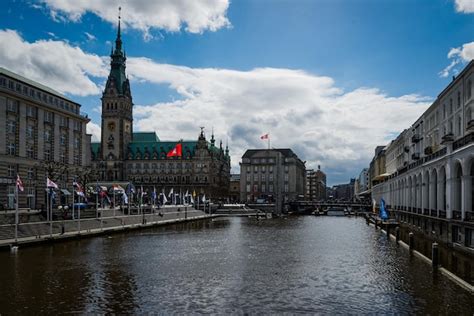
(123,155)
(430,166)
(41,131)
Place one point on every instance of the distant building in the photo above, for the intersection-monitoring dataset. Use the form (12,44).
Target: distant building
(271,175)
(41,131)
(361,186)
(315,185)
(234,189)
(377,169)
(344,191)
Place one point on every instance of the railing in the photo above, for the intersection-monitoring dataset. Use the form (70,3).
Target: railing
(426,211)
(469,138)
(415,138)
(434,213)
(457,215)
(415,156)
(469,216)
(442,214)
(447,138)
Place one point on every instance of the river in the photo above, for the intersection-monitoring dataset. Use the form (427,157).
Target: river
(327,265)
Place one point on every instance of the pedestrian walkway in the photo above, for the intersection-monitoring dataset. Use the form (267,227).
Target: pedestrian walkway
(62,229)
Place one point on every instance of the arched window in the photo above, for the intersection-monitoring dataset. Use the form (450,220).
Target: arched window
(459,126)
(459,99)
(469,89)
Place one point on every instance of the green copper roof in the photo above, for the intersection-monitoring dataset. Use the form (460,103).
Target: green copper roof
(148,142)
(145,137)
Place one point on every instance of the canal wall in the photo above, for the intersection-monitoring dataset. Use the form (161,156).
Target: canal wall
(56,231)
(453,262)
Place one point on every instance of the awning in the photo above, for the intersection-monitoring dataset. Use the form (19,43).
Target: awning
(65,192)
(380,177)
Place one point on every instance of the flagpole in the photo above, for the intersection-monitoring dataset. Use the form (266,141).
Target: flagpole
(47,198)
(50,215)
(113,202)
(73,217)
(78,214)
(16,211)
(96,200)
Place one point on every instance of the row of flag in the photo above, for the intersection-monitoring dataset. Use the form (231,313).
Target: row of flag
(129,190)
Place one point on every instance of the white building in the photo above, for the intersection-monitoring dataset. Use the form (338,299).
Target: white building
(431,164)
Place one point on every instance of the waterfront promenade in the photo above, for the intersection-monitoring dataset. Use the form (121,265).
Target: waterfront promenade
(45,231)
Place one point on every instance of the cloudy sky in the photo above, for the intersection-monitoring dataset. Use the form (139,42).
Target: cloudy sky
(330,79)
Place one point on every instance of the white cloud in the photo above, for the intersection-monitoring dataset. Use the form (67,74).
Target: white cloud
(90,37)
(458,56)
(144,15)
(465,6)
(39,61)
(306,112)
(94,129)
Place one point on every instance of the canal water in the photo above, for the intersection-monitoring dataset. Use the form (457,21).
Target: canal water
(328,265)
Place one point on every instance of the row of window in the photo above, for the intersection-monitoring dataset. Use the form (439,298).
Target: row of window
(39,96)
(258,160)
(263,188)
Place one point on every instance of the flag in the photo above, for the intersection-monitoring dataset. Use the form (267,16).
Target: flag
(383,211)
(164,198)
(266,136)
(171,193)
(19,183)
(204,198)
(177,151)
(194,193)
(192,200)
(374,206)
(117,188)
(130,188)
(51,184)
(125,199)
(142,192)
(154,194)
(78,187)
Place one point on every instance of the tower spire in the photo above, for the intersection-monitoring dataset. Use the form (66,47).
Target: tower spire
(118,41)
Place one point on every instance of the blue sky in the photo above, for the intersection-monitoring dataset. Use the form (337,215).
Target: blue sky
(312,73)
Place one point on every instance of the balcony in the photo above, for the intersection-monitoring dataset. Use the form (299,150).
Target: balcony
(415,156)
(428,150)
(406,149)
(442,214)
(457,215)
(448,138)
(415,138)
(469,216)
(470,126)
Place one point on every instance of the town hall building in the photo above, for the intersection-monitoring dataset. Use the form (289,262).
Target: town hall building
(141,157)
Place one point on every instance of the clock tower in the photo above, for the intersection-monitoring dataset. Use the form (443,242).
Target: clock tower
(117,114)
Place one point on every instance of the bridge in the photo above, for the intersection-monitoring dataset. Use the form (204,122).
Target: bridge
(307,207)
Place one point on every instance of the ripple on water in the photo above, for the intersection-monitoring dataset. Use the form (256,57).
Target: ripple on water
(235,266)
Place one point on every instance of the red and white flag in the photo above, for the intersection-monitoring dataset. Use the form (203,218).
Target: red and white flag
(177,151)
(266,136)
(51,184)
(19,183)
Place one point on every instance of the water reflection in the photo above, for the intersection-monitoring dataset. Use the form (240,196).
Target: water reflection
(240,265)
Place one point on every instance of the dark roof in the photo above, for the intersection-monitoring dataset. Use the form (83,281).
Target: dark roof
(288,153)
(34,84)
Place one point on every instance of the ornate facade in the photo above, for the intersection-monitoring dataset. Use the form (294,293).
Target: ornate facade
(141,157)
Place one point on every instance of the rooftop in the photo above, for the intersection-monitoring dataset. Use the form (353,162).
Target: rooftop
(35,84)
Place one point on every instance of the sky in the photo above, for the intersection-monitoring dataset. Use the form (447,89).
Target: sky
(331,79)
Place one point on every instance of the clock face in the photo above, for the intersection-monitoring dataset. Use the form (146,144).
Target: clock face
(111,126)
